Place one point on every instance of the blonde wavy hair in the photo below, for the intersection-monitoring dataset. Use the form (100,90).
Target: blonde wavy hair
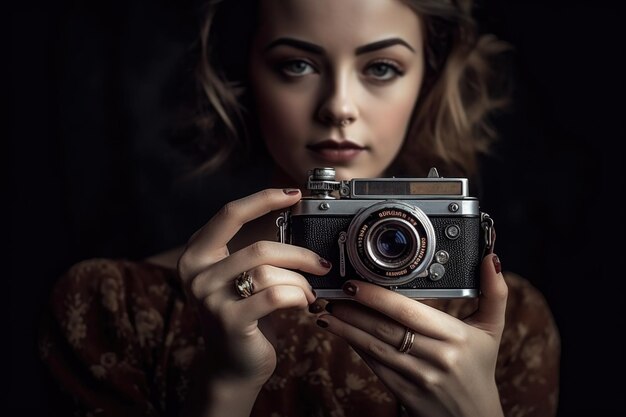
(450,125)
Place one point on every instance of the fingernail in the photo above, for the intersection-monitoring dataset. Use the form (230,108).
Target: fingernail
(291,191)
(496,264)
(325,263)
(315,308)
(350,289)
(322,323)
(329,307)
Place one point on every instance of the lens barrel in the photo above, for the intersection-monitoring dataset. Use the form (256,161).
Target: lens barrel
(391,242)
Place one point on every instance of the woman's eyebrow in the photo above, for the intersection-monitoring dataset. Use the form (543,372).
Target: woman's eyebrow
(316,49)
(296,43)
(385,43)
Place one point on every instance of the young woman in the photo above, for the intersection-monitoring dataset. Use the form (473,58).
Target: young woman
(219,327)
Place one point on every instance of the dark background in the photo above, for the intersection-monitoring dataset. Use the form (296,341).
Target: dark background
(90,172)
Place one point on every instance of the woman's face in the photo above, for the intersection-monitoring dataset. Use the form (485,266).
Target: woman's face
(335,83)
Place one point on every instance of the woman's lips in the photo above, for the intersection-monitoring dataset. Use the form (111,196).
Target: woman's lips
(336,151)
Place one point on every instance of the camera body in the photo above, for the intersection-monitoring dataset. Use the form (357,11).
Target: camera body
(421,237)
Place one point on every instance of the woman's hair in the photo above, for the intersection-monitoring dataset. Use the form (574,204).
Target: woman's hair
(449,127)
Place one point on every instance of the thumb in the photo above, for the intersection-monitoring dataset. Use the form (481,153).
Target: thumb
(492,299)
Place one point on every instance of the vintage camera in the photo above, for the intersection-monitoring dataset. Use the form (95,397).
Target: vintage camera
(421,237)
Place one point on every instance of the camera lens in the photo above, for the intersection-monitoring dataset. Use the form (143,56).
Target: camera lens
(392,243)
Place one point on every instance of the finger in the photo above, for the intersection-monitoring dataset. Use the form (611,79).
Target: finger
(410,366)
(260,304)
(387,330)
(492,300)
(263,277)
(253,256)
(226,223)
(407,393)
(410,313)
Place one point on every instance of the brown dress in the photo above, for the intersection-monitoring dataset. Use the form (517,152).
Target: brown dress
(119,338)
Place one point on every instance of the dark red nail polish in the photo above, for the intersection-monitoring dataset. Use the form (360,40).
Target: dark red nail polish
(350,289)
(325,263)
(322,323)
(496,264)
(291,191)
(329,307)
(315,308)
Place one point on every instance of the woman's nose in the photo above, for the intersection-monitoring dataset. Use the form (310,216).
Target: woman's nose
(338,105)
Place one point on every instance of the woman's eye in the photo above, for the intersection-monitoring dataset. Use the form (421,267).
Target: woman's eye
(383,71)
(297,68)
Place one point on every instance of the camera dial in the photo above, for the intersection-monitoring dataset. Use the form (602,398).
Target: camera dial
(322,182)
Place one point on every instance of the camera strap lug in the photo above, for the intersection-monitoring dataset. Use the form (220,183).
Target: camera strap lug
(343,236)
(489,231)
(281,223)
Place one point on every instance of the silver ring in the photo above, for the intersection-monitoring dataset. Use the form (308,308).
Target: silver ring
(344,122)
(244,285)
(407,341)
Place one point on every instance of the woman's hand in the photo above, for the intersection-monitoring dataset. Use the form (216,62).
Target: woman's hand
(450,368)
(236,344)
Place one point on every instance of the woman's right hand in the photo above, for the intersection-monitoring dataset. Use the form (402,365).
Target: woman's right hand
(230,323)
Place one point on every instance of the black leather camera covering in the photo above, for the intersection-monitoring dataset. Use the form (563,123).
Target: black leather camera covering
(321,234)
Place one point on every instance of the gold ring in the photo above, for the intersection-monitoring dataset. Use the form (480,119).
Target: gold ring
(244,285)
(407,341)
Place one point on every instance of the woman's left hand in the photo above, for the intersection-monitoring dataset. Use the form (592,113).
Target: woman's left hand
(450,368)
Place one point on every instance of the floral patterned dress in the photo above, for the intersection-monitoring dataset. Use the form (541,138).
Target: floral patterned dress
(119,339)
